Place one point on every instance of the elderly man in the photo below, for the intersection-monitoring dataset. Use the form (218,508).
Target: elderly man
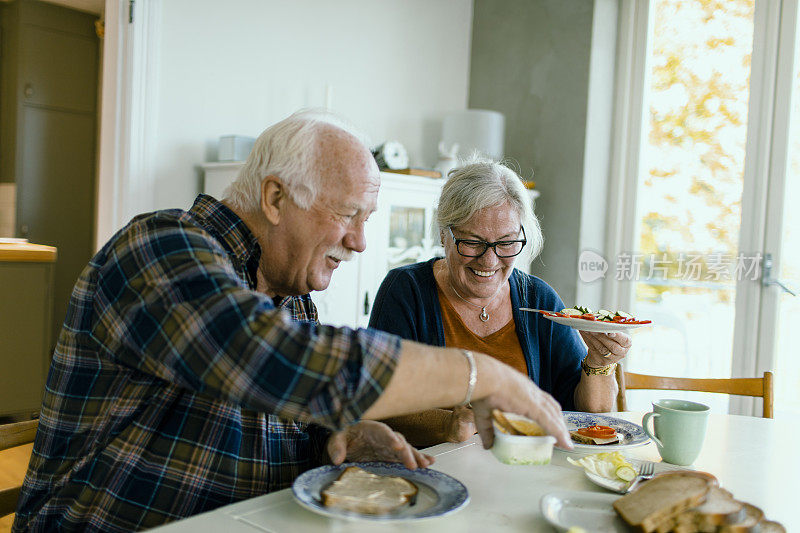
(190,372)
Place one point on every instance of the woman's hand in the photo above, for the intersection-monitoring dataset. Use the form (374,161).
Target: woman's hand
(605,348)
(369,440)
(460,425)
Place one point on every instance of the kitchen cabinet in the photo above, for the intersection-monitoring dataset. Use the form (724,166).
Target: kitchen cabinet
(26,311)
(402,231)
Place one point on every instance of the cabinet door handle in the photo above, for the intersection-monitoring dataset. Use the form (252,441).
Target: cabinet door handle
(366,303)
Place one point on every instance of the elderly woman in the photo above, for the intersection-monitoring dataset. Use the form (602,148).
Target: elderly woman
(471,298)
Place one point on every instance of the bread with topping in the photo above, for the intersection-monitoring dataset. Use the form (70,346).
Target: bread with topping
(599,441)
(359,491)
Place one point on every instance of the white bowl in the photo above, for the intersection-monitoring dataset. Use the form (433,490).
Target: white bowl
(521,449)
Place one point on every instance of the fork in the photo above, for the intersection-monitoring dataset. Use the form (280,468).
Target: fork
(646,471)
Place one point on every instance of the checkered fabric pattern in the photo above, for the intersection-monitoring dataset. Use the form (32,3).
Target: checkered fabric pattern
(175,388)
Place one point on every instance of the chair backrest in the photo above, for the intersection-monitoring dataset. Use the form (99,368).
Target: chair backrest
(758,387)
(12,435)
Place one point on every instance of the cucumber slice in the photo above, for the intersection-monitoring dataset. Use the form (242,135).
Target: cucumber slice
(626,473)
(572,311)
(624,314)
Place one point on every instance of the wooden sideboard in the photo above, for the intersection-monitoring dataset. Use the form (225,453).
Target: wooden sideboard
(26,310)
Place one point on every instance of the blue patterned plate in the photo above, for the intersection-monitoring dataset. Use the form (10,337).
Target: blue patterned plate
(630,434)
(439,494)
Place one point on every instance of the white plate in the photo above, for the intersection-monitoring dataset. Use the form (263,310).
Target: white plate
(439,494)
(597,326)
(589,510)
(630,434)
(618,484)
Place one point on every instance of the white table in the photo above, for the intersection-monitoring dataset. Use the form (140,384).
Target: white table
(750,457)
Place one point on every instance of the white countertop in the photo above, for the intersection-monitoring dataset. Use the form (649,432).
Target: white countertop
(750,457)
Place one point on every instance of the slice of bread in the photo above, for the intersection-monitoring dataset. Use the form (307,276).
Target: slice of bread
(363,492)
(768,526)
(749,523)
(503,423)
(527,427)
(662,498)
(516,425)
(719,508)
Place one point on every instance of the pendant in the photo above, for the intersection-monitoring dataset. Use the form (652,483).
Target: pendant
(484,315)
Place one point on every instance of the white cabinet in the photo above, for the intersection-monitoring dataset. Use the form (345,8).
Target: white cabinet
(400,232)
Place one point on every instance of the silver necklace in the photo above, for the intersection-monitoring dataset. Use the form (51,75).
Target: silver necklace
(484,316)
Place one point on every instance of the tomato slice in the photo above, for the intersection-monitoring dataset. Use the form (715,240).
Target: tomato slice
(587,316)
(596,431)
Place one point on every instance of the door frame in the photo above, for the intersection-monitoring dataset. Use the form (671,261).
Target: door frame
(778,170)
(128,113)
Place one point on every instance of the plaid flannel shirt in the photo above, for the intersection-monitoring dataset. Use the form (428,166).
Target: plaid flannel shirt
(175,388)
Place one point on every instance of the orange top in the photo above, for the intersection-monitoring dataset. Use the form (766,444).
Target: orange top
(503,344)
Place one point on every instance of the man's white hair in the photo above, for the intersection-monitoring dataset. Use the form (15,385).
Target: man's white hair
(288,150)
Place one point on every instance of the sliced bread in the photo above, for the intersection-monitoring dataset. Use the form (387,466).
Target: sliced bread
(359,491)
(768,526)
(719,508)
(662,498)
(751,522)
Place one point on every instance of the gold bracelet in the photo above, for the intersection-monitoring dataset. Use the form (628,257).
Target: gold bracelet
(602,371)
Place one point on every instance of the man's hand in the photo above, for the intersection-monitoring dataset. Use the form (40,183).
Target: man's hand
(516,393)
(369,440)
(460,425)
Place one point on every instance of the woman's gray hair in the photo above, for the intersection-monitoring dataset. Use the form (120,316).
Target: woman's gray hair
(479,183)
(289,151)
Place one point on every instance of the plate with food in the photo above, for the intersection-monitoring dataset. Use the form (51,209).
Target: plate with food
(589,511)
(376,491)
(598,433)
(584,319)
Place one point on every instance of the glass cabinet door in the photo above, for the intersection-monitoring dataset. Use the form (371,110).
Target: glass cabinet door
(408,235)
(401,232)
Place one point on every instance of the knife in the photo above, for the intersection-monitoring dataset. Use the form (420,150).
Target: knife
(534,310)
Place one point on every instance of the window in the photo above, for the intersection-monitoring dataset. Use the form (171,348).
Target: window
(707,142)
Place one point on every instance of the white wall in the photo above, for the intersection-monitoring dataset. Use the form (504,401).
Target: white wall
(235,67)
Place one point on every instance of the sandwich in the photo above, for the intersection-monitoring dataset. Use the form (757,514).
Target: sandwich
(359,491)
(596,435)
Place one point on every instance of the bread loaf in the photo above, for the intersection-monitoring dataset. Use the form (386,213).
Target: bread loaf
(363,492)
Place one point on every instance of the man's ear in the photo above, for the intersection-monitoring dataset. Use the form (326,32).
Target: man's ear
(273,198)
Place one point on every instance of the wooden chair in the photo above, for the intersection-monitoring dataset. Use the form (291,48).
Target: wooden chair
(12,435)
(759,387)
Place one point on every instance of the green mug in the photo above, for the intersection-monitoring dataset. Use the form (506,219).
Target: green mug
(680,429)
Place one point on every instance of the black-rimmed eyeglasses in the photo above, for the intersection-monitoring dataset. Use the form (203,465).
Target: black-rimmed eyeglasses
(475,248)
